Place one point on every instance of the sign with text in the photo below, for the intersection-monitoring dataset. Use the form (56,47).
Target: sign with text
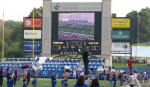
(77,6)
(120,35)
(120,47)
(28,45)
(32,34)
(28,22)
(124,23)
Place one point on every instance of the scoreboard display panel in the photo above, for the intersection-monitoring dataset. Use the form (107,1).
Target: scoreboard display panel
(76,26)
(72,31)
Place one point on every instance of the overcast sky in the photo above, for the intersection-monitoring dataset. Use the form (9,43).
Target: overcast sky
(17,9)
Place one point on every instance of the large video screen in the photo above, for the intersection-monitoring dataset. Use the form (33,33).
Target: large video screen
(76,26)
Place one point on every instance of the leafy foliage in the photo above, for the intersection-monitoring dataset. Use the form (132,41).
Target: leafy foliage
(144,25)
(38,12)
(13,39)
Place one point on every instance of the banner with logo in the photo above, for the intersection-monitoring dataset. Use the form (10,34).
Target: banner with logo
(28,45)
(119,35)
(121,47)
(124,23)
(32,34)
(28,22)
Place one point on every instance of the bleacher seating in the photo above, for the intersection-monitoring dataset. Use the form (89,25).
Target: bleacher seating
(56,64)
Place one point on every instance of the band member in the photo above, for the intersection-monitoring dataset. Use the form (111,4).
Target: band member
(25,78)
(34,81)
(1,76)
(64,81)
(15,76)
(53,78)
(10,78)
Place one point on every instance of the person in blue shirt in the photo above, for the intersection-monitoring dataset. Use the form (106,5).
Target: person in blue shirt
(95,83)
(53,78)
(9,76)
(15,76)
(1,76)
(80,82)
(114,78)
(64,81)
(120,78)
(28,77)
(24,79)
(34,81)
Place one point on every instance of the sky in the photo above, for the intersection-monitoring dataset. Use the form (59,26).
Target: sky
(17,9)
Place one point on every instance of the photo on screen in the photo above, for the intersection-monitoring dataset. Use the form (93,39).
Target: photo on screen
(76,26)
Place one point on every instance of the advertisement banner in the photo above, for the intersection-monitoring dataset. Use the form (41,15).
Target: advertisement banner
(28,22)
(32,34)
(76,6)
(120,35)
(120,47)
(28,45)
(124,23)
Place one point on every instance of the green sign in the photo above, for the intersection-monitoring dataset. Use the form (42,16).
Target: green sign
(120,35)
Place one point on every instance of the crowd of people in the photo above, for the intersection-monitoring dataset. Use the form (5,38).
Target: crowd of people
(13,76)
(125,78)
(103,73)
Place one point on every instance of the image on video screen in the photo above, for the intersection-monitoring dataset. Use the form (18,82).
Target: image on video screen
(76,26)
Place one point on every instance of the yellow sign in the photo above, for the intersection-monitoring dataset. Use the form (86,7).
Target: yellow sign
(121,23)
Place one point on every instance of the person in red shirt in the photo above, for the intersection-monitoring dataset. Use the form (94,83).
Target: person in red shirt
(130,62)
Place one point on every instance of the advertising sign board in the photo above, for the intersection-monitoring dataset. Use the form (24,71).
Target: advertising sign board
(120,35)
(121,47)
(32,34)
(28,45)
(28,22)
(121,23)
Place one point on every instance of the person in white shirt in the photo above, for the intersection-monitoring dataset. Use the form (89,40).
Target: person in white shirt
(74,72)
(132,80)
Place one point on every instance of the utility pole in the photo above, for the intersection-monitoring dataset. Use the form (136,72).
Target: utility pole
(3,38)
(33,31)
(138,27)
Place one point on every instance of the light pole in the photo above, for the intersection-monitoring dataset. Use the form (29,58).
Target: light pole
(3,38)
(138,35)
(33,51)
(138,27)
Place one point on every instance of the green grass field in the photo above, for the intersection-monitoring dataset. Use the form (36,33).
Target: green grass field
(124,65)
(45,82)
(142,44)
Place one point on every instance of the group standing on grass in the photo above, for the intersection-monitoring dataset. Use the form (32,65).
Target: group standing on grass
(107,73)
(80,82)
(14,76)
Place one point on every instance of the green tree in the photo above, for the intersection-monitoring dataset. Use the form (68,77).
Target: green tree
(134,22)
(144,25)
(38,12)
(15,42)
(13,39)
